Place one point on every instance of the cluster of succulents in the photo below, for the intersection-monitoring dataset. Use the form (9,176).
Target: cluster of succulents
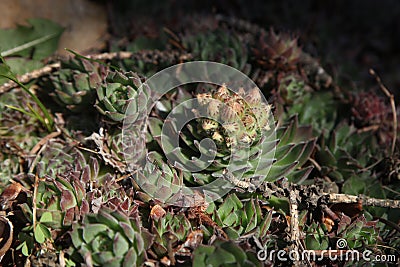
(239,219)
(238,122)
(61,191)
(169,230)
(86,204)
(369,109)
(219,45)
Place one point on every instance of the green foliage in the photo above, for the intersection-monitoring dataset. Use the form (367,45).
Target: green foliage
(47,119)
(25,46)
(359,233)
(317,109)
(148,62)
(220,46)
(73,86)
(18,132)
(41,36)
(239,218)
(39,233)
(296,143)
(159,179)
(346,153)
(250,142)
(316,237)
(9,167)
(110,238)
(223,253)
(116,93)
(90,210)
(169,231)
(27,241)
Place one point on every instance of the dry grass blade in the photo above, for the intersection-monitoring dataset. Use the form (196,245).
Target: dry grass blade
(34,201)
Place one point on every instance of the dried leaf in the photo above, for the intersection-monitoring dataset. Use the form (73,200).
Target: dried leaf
(6,235)
(67,200)
(9,195)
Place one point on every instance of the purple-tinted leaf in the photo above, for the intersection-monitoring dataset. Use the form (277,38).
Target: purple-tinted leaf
(84,207)
(60,186)
(130,258)
(129,232)
(125,205)
(79,190)
(79,160)
(95,167)
(139,243)
(67,200)
(343,223)
(120,245)
(69,216)
(85,176)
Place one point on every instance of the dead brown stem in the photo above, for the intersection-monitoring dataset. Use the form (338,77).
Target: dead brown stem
(143,55)
(294,224)
(34,199)
(366,201)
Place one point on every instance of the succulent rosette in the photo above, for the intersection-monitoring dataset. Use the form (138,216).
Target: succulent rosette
(115,94)
(110,238)
(235,134)
(73,85)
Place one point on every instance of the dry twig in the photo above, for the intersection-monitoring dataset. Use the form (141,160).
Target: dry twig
(365,201)
(294,224)
(34,201)
(29,77)
(43,141)
(153,56)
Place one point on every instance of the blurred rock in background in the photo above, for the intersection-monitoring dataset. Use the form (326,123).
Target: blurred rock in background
(85,21)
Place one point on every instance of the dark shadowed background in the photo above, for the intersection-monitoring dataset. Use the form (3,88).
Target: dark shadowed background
(349,37)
